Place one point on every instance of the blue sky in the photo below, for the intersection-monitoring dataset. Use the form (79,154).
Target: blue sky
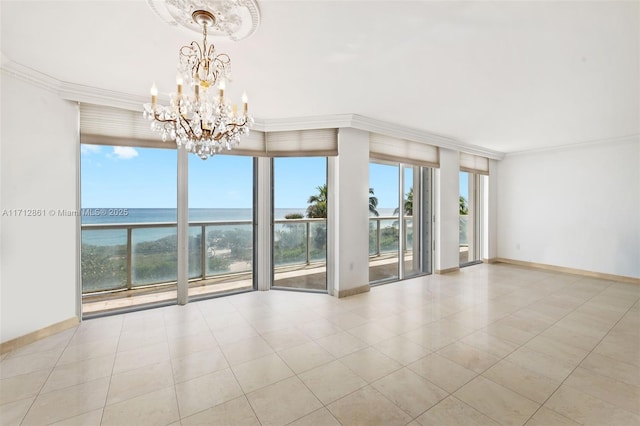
(127,177)
(464,185)
(296,179)
(146,178)
(384,181)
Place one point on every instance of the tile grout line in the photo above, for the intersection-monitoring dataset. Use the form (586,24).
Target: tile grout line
(37,395)
(173,379)
(583,358)
(244,394)
(520,346)
(449,394)
(504,357)
(115,357)
(477,374)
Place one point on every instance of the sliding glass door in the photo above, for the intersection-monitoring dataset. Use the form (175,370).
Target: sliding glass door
(469,218)
(221,224)
(399,221)
(300,223)
(417,220)
(128,255)
(384,222)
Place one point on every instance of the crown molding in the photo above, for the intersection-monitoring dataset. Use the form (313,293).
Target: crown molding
(29,75)
(71,91)
(92,95)
(110,98)
(304,123)
(634,138)
(375,126)
(422,136)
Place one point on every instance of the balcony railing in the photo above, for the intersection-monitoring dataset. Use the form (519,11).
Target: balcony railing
(463,221)
(384,234)
(299,241)
(136,255)
(129,256)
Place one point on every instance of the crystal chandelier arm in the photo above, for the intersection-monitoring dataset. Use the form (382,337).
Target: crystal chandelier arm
(158,118)
(230,128)
(222,63)
(186,129)
(190,56)
(175,121)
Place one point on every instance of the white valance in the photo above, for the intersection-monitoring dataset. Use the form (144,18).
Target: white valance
(388,148)
(102,125)
(302,143)
(474,164)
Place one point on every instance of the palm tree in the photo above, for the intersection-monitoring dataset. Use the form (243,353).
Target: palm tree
(373,203)
(408,204)
(318,203)
(464,209)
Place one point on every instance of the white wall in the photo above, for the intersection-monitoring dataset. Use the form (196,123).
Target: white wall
(351,194)
(38,170)
(447,211)
(490,216)
(573,207)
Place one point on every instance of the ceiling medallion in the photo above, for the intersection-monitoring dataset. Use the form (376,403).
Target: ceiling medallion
(234,19)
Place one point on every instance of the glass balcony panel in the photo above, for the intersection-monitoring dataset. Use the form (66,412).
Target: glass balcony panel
(154,257)
(290,243)
(389,235)
(408,232)
(373,237)
(104,260)
(195,252)
(318,241)
(412,249)
(229,249)
(464,239)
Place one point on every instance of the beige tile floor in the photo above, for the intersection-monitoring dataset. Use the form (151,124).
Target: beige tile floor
(490,345)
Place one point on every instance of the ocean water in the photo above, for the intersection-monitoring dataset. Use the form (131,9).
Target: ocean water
(112,237)
(122,215)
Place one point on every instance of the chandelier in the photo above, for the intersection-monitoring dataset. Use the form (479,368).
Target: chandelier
(199,118)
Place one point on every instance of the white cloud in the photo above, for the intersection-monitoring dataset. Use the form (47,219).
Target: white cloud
(89,149)
(124,152)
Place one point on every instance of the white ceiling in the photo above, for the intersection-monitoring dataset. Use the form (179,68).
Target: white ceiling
(507,76)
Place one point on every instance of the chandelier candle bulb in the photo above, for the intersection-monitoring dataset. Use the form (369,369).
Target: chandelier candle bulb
(179,83)
(245,105)
(221,86)
(235,109)
(154,95)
